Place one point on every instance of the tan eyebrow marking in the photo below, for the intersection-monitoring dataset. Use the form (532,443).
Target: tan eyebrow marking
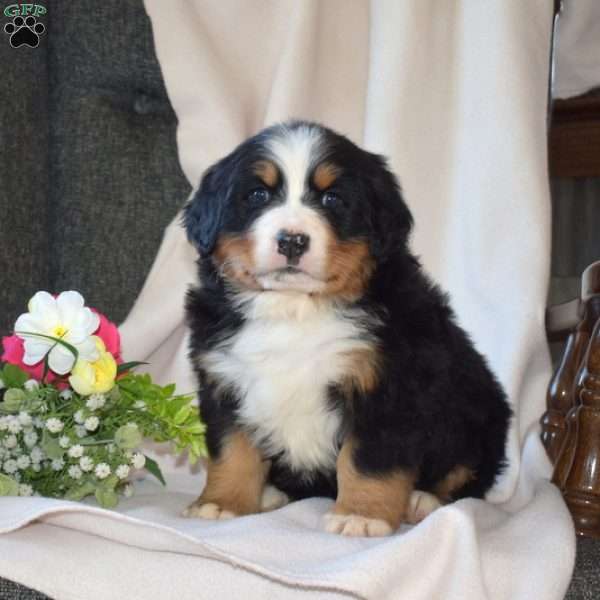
(267,172)
(325,174)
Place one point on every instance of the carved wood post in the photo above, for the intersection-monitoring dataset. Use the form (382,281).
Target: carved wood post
(582,481)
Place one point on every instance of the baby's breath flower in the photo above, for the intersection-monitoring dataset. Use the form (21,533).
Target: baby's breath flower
(102,471)
(14,426)
(10,441)
(75,451)
(64,441)
(4,423)
(36,467)
(138,460)
(91,423)
(122,471)
(3,452)
(74,472)
(25,419)
(30,438)
(79,417)
(86,463)
(23,461)
(38,422)
(139,404)
(95,401)
(58,464)
(17,451)
(128,490)
(31,385)
(37,454)
(80,431)
(10,466)
(54,425)
(25,490)
(66,394)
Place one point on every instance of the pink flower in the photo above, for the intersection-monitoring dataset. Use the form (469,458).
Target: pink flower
(14,349)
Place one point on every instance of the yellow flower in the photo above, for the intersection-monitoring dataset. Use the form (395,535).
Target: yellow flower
(95,377)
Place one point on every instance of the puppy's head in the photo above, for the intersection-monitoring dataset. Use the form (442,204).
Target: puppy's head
(298,207)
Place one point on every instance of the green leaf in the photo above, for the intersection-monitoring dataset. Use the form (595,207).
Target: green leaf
(128,366)
(182,414)
(106,497)
(153,468)
(128,437)
(51,446)
(12,376)
(80,491)
(13,399)
(8,486)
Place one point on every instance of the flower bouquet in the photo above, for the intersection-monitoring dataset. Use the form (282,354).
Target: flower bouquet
(73,415)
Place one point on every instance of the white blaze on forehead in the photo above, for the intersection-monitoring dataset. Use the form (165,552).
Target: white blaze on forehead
(296,151)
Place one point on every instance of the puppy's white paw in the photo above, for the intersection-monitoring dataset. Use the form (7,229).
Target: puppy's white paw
(420,505)
(272,498)
(355,525)
(210,510)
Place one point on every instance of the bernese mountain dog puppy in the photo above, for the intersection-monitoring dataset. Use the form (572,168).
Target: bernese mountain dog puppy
(329,363)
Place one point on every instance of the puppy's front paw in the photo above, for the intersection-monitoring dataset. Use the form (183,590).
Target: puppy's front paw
(420,505)
(210,510)
(355,525)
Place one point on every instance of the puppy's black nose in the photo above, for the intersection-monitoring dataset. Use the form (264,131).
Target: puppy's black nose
(292,245)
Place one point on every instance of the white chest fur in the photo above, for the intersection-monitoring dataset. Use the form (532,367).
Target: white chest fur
(282,361)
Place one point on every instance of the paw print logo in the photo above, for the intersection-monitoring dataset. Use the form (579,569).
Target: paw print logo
(24,31)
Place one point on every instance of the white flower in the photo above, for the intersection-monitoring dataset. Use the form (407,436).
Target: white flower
(36,467)
(17,451)
(3,452)
(25,419)
(25,490)
(23,461)
(138,460)
(128,490)
(10,441)
(75,472)
(31,384)
(2,384)
(95,401)
(139,404)
(64,441)
(37,455)
(30,438)
(4,423)
(80,431)
(10,466)
(75,451)
(37,422)
(122,471)
(86,463)
(66,394)
(79,417)
(64,317)
(58,464)
(54,425)
(102,471)
(91,423)
(14,426)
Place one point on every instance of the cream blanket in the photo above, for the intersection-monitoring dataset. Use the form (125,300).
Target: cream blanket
(454,93)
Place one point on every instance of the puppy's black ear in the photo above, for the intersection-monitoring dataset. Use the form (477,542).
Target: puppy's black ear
(391,219)
(204,214)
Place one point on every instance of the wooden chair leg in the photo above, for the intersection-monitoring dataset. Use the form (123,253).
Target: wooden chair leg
(582,483)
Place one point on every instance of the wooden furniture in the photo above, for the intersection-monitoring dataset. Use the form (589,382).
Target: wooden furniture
(571,424)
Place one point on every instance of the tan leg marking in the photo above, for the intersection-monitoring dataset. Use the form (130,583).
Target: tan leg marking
(453,481)
(368,505)
(235,482)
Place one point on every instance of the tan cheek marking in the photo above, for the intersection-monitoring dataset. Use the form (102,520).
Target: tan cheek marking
(233,256)
(363,371)
(325,174)
(375,497)
(456,479)
(349,269)
(267,172)
(235,481)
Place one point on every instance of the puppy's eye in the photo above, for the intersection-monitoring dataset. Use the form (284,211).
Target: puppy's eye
(331,200)
(259,196)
